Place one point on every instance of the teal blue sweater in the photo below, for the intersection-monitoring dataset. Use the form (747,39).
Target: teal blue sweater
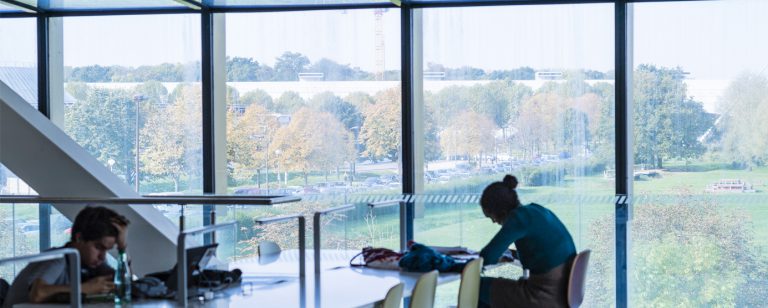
(542,242)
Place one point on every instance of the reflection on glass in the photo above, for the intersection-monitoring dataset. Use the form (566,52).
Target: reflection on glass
(19,223)
(700,100)
(301,112)
(523,90)
(18,57)
(133,98)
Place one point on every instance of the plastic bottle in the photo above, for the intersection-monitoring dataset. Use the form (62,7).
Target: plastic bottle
(123,279)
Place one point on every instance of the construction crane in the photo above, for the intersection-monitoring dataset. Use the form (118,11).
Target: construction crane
(379,50)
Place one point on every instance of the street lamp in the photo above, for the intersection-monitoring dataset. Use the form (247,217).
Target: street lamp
(137,99)
(278,152)
(355,131)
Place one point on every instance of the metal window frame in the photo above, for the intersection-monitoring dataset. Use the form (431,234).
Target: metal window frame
(623,129)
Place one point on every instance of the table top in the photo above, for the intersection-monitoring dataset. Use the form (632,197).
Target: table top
(273,281)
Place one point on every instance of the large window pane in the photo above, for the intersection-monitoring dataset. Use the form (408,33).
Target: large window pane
(286,2)
(700,104)
(133,97)
(523,90)
(313,109)
(19,223)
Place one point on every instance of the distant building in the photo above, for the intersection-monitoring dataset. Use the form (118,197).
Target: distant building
(549,75)
(23,80)
(434,75)
(311,76)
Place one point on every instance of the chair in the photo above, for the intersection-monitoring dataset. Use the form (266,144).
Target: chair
(469,289)
(268,248)
(423,295)
(394,297)
(4,287)
(577,279)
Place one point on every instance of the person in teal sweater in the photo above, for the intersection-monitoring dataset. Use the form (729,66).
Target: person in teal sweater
(543,244)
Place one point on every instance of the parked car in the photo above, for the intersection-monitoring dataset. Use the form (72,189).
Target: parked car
(249,191)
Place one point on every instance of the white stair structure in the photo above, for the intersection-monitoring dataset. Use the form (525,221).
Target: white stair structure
(54,165)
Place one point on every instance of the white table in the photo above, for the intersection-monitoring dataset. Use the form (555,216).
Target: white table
(274,282)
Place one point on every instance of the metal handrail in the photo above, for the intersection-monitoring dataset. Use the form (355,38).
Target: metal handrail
(403,227)
(73,265)
(180,200)
(316,230)
(302,235)
(181,258)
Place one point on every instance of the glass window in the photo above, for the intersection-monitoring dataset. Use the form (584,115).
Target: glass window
(527,91)
(700,103)
(18,57)
(133,97)
(313,110)
(96,5)
(7,8)
(19,223)
(235,3)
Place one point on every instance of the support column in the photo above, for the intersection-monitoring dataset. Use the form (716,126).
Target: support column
(624,150)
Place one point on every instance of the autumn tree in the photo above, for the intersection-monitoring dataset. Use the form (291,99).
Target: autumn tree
(381,130)
(171,138)
(248,138)
(344,111)
(312,141)
(538,123)
(471,134)
(257,97)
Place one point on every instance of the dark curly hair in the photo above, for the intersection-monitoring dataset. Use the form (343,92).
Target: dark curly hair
(499,198)
(94,223)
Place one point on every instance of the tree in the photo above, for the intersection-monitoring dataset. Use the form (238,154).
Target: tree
(171,139)
(448,102)
(248,137)
(498,100)
(744,109)
(361,100)
(312,141)
(247,69)
(288,103)
(153,93)
(289,65)
(92,73)
(539,122)
(687,251)
(344,111)
(381,129)
(257,97)
(337,72)
(104,125)
(605,134)
(522,73)
(471,134)
(668,122)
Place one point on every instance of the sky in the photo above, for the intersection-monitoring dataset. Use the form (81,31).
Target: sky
(710,39)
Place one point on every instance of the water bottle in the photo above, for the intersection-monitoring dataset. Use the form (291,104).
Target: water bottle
(122,280)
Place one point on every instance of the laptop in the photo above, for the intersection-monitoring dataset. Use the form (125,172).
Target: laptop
(197,259)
